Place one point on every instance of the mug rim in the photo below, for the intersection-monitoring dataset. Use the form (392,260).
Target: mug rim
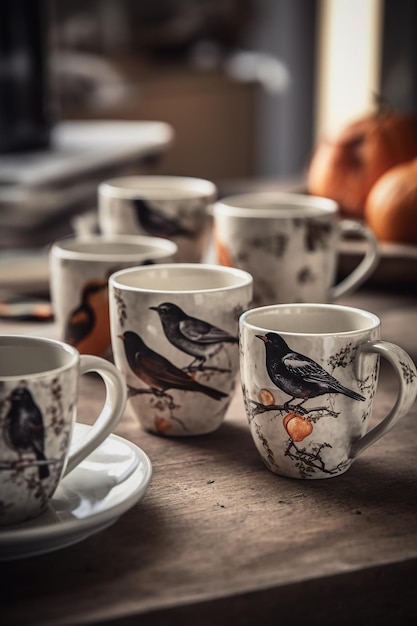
(71,360)
(163,247)
(243,278)
(293,205)
(136,186)
(291,308)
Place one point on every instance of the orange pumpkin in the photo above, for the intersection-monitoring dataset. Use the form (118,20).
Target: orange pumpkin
(346,166)
(391,206)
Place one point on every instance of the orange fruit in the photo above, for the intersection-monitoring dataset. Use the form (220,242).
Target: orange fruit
(391,206)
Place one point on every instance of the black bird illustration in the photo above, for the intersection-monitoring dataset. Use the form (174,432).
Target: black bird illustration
(190,334)
(24,428)
(156,223)
(88,325)
(298,375)
(157,371)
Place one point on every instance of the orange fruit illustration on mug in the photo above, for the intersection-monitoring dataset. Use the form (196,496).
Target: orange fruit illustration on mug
(266,397)
(162,424)
(297,426)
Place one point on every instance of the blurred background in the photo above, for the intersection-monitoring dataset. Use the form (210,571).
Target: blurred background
(245,87)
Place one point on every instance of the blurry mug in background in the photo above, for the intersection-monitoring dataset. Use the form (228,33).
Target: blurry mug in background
(289,243)
(79,272)
(309,375)
(39,381)
(175,207)
(174,334)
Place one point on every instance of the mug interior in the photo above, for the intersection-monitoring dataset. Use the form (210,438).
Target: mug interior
(309,319)
(119,249)
(27,356)
(180,277)
(158,187)
(276,205)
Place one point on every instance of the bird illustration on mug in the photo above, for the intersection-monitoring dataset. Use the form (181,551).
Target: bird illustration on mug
(88,324)
(157,223)
(159,373)
(298,375)
(301,378)
(24,428)
(196,337)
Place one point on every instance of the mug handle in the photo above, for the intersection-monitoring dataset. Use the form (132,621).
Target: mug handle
(406,373)
(114,406)
(365,267)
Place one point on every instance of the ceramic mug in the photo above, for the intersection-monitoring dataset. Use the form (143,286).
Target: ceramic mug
(289,243)
(309,374)
(79,271)
(38,398)
(175,339)
(174,207)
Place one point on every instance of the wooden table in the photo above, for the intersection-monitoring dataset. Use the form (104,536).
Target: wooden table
(218,539)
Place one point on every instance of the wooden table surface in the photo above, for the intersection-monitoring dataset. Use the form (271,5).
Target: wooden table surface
(220,539)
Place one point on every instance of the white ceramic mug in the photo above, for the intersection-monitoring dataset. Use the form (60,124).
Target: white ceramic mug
(309,375)
(175,339)
(38,400)
(174,207)
(289,243)
(79,272)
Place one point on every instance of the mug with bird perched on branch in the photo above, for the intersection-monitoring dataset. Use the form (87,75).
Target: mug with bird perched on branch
(174,334)
(39,381)
(309,374)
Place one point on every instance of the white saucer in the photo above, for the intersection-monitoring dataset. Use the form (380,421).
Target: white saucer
(93,496)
